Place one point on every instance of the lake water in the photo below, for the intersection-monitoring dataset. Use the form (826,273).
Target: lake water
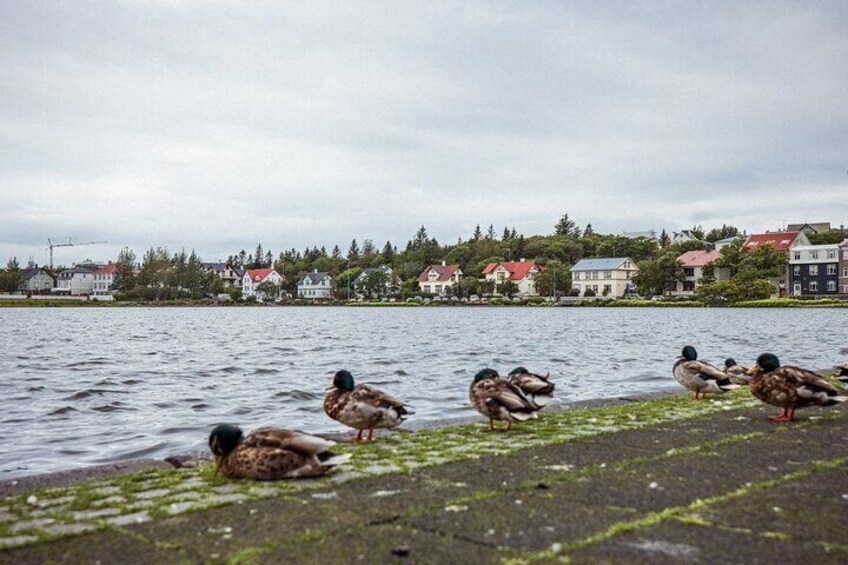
(90,386)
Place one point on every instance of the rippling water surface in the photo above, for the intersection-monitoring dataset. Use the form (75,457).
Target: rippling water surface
(89,386)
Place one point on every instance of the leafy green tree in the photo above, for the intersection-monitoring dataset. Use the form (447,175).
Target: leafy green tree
(345,281)
(125,278)
(507,288)
(374,284)
(11,277)
(660,275)
(268,290)
(834,236)
(723,232)
(555,279)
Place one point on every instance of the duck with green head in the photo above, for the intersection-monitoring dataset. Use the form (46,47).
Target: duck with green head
(699,376)
(537,387)
(498,399)
(790,387)
(270,454)
(363,407)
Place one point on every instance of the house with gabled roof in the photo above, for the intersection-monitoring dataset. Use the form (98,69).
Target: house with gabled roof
(612,276)
(35,279)
(230,275)
(104,278)
(523,273)
(696,265)
(437,279)
(390,285)
(784,241)
(253,278)
(315,285)
(810,229)
(684,236)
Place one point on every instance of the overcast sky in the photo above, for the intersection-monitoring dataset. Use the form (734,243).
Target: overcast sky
(215,126)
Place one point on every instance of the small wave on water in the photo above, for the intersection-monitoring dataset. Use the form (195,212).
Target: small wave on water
(299,395)
(87,393)
(63,410)
(114,407)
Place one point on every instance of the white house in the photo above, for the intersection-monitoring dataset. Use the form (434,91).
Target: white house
(522,273)
(36,279)
(76,281)
(694,268)
(390,284)
(683,236)
(230,276)
(104,277)
(611,277)
(437,279)
(252,278)
(315,285)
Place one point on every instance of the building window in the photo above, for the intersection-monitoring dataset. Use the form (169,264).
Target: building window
(831,254)
(607,289)
(814,270)
(814,254)
(831,269)
(797,255)
(814,286)
(797,270)
(831,286)
(607,274)
(688,286)
(688,271)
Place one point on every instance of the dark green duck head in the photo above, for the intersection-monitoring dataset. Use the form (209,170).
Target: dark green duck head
(768,362)
(486,374)
(729,362)
(689,353)
(343,381)
(224,439)
(518,371)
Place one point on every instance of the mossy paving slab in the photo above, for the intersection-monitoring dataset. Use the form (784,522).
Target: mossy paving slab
(100,547)
(810,509)
(378,544)
(675,542)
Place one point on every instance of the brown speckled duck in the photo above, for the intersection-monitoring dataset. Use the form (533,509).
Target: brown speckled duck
(842,375)
(270,454)
(789,387)
(499,399)
(737,373)
(363,407)
(537,387)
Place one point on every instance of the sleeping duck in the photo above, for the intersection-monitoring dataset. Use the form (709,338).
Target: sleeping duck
(842,375)
(270,454)
(738,373)
(499,399)
(789,387)
(699,376)
(538,387)
(363,407)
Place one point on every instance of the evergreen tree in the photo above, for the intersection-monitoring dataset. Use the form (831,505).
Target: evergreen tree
(490,233)
(353,251)
(258,256)
(421,238)
(242,259)
(478,234)
(566,226)
(505,236)
(269,259)
(588,231)
(664,240)
(337,253)
(388,253)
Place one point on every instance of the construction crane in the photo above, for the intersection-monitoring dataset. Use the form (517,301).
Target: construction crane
(70,243)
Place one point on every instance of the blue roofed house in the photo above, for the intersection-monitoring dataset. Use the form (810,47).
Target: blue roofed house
(611,277)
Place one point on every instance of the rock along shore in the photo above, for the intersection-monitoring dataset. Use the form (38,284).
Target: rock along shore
(661,480)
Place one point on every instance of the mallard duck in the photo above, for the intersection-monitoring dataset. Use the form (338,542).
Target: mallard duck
(363,407)
(699,376)
(842,375)
(538,387)
(499,399)
(789,387)
(738,373)
(270,454)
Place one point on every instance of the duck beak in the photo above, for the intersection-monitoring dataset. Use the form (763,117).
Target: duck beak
(753,370)
(331,387)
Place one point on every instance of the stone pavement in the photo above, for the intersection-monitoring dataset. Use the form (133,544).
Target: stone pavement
(659,481)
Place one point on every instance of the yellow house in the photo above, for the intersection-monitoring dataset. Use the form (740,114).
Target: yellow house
(611,277)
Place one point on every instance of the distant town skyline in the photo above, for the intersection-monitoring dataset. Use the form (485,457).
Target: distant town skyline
(181,124)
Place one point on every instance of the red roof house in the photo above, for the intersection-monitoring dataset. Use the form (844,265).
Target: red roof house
(436,279)
(699,258)
(782,241)
(517,269)
(258,275)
